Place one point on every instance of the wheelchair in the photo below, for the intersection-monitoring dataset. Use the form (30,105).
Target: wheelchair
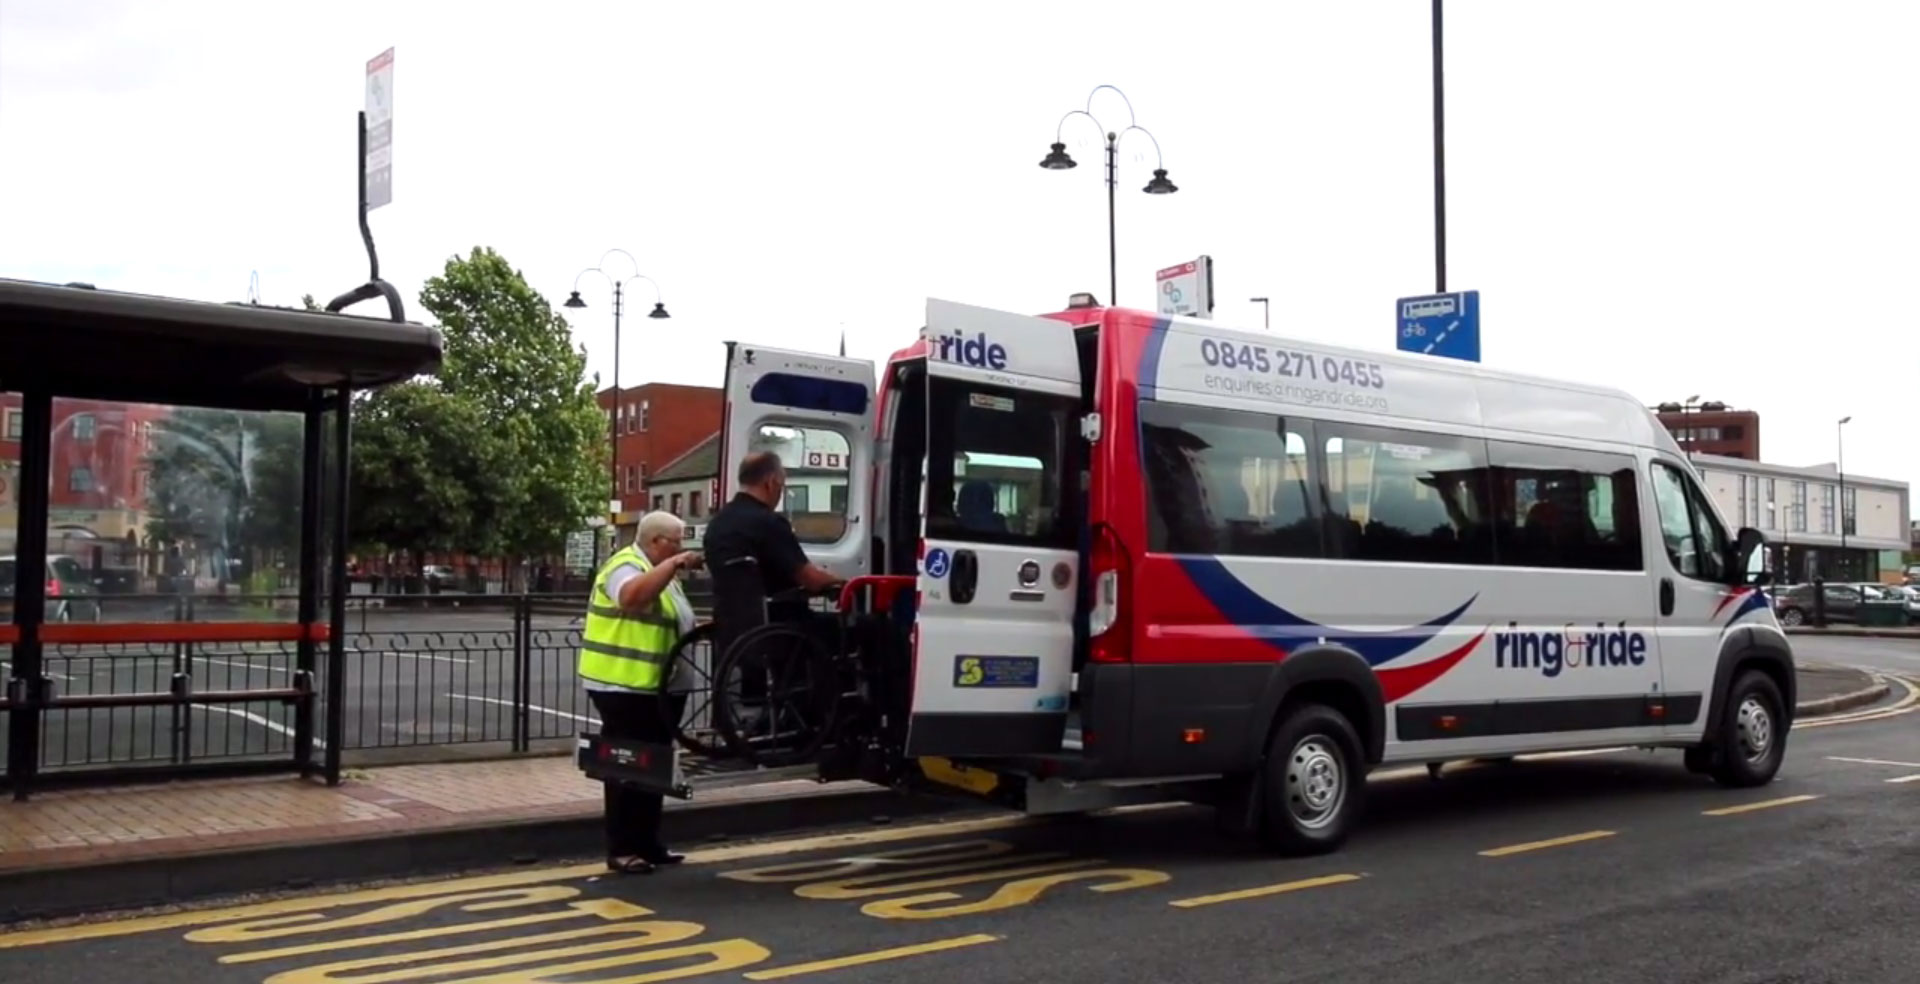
(806,682)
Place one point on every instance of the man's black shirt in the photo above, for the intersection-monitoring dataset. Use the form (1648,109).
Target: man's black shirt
(745,530)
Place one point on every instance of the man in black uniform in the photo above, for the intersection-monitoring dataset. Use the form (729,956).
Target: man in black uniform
(753,554)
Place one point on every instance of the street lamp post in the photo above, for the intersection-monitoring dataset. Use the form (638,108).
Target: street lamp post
(1057,160)
(617,501)
(1266,312)
(1840,469)
(1439,157)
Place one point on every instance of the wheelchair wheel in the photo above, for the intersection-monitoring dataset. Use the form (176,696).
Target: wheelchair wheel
(775,697)
(693,728)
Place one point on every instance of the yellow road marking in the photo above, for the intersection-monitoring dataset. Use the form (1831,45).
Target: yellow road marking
(1541,845)
(1911,778)
(302,904)
(1263,891)
(1905,705)
(1903,765)
(874,956)
(1727,811)
(611,910)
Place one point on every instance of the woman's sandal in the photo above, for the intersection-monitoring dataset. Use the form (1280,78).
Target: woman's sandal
(632,866)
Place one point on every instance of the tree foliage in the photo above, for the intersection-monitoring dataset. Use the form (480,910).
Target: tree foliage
(427,472)
(510,360)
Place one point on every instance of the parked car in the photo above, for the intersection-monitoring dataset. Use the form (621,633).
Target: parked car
(1910,594)
(1793,605)
(71,594)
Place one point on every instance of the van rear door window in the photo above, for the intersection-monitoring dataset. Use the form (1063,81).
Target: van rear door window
(996,465)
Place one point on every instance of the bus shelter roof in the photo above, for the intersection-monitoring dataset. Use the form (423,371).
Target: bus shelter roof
(78,341)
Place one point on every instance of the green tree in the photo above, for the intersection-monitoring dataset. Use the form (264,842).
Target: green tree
(510,358)
(427,473)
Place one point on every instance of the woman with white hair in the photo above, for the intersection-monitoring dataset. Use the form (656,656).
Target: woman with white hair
(636,614)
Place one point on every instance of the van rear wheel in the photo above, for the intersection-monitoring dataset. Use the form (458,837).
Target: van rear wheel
(1313,782)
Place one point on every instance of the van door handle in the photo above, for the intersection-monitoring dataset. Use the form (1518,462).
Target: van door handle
(964,578)
(1666,596)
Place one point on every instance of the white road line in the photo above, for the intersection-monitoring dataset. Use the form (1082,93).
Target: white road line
(7,668)
(244,666)
(462,660)
(1911,778)
(1901,765)
(531,707)
(273,726)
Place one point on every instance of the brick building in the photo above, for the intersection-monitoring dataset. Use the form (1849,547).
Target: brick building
(1712,428)
(99,481)
(655,424)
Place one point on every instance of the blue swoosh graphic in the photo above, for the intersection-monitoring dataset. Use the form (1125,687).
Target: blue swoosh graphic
(1270,623)
(1751,603)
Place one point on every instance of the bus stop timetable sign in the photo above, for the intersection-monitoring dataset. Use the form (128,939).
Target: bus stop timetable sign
(1446,325)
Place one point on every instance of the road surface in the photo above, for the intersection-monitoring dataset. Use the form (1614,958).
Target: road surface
(1596,868)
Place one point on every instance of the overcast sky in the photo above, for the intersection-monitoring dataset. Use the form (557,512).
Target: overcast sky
(1678,198)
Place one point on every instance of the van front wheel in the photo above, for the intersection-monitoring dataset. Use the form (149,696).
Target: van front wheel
(1752,739)
(1314,781)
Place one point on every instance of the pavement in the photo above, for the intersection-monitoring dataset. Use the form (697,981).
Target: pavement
(1603,867)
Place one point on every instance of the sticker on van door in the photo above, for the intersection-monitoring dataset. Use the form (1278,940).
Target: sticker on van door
(936,563)
(1022,672)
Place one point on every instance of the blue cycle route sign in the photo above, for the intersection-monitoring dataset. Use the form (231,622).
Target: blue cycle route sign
(1446,325)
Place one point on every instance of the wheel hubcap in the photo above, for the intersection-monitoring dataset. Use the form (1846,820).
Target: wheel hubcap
(1315,788)
(1755,725)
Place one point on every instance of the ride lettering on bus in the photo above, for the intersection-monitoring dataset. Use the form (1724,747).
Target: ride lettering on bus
(977,351)
(1572,647)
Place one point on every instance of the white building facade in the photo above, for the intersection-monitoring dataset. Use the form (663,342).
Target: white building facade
(1817,521)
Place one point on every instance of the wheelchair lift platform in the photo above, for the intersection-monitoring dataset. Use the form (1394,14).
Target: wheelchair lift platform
(668,770)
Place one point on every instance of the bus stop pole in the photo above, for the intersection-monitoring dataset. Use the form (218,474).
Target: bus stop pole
(29,683)
(337,583)
(312,480)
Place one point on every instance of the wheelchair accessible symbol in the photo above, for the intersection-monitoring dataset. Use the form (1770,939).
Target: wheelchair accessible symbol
(936,563)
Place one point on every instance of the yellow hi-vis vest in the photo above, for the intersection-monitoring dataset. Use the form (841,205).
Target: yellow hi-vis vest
(627,649)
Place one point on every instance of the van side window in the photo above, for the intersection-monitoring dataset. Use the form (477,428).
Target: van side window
(996,463)
(1694,539)
(1562,508)
(1225,482)
(1402,496)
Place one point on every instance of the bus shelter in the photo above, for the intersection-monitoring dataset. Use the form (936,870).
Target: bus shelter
(74,342)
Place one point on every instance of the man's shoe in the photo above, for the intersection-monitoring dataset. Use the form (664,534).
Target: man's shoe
(662,856)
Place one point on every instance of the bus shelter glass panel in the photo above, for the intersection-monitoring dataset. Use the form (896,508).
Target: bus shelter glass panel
(162,514)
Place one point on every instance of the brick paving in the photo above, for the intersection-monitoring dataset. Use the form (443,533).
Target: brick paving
(84,826)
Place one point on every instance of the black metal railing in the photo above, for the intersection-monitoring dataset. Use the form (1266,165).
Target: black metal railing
(421,672)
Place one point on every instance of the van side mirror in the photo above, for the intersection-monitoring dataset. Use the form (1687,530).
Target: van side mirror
(1750,558)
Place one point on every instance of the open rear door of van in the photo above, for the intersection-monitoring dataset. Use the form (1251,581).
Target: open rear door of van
(816,413)
(1002,503)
